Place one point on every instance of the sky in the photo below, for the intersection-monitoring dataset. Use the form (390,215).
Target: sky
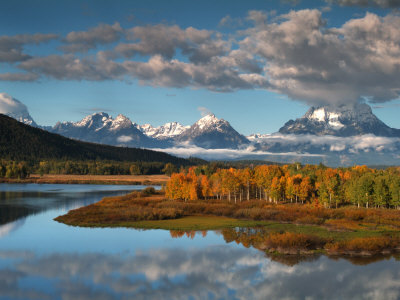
(254,63)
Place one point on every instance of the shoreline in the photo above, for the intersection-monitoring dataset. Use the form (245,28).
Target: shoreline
(91,179)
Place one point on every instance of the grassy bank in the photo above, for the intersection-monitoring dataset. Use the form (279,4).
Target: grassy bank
(288,229)
(91,179)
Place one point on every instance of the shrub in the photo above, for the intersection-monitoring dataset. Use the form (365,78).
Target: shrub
(148,191)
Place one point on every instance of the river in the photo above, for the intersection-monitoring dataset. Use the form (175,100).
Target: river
(43,259)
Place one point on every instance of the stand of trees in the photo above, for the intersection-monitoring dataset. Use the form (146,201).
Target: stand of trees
(359,185)
(21,170)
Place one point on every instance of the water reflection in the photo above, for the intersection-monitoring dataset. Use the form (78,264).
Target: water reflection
(215,272)
(6,229)
(253,237)
(22,200)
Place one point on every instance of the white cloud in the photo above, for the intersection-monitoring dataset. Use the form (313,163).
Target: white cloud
(124,139)
(222,154)
(307,60)
(204,111)
(353,144)
(9,105)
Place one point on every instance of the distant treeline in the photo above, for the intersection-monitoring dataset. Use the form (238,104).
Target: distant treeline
(320,185)
(21,170)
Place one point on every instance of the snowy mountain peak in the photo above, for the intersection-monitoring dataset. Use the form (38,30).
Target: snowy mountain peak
(121,121)
(322,114)
(96,120)
(346,120)
(212,133)
(168,130)
(101,128)
(210,121)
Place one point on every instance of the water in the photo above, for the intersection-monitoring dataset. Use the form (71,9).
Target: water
(43,259)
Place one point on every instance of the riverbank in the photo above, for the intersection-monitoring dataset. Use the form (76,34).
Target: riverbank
(285,229)
(91,179)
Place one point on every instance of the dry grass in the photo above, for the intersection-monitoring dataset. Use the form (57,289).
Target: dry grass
(93,179)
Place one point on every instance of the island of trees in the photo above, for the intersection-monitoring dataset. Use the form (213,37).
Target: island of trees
(288,209)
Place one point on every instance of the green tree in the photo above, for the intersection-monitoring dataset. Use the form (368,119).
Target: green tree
(135,170)
(366,185)
(169,168)
(394,191)
(381,192)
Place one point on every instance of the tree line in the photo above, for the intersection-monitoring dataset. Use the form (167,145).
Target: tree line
(330,187)
(22,169)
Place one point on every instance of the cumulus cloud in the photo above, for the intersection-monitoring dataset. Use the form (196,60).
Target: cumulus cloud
(82,41)
(307,60)
(11,47)
(296,54)
(215,76)
(71,67)
(199,45)
(230,22)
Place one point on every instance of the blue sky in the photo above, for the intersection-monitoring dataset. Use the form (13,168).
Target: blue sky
(256,64)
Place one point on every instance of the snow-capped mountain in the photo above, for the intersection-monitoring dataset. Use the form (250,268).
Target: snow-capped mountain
(102,128)
(168,130)
(209,132)
(15,109)
(212,133)
(342,121)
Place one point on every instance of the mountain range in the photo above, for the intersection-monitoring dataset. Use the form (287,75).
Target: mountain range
(333,135)
(209,132)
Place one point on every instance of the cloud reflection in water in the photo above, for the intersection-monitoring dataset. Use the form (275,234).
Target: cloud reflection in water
(216,272)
